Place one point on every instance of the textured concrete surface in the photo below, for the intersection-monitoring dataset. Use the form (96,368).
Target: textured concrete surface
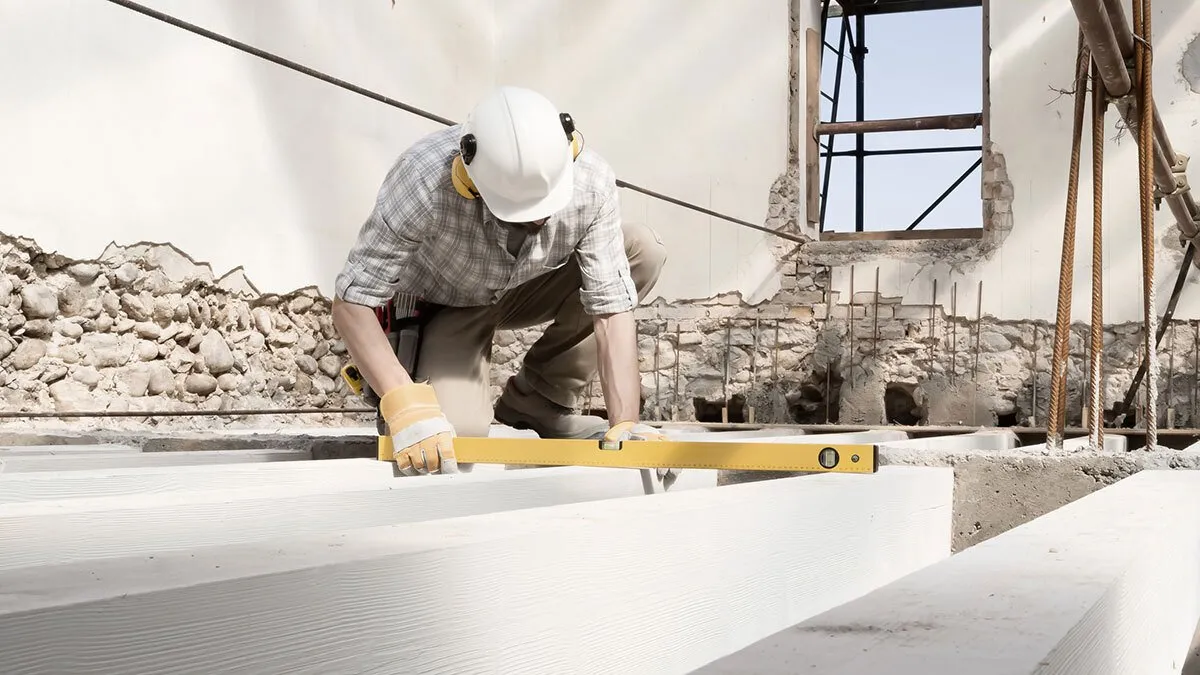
(645,584)
(995,491)
(1108,584)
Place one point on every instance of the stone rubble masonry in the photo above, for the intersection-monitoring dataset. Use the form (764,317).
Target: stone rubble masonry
(145,328)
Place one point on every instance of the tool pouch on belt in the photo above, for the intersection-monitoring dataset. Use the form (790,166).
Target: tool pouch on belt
(402,319)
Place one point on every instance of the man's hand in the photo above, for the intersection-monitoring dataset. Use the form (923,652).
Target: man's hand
(422,437)
(634,431)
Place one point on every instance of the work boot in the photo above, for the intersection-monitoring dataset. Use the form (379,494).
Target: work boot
(522,408)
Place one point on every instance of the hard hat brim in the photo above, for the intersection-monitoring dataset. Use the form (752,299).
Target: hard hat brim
(525,211)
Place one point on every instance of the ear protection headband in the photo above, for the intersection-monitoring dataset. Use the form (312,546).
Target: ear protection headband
(463,184)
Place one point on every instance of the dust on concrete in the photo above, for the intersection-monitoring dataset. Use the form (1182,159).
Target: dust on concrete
(997,491)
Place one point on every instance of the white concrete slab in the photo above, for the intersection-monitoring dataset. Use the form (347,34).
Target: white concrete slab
(43,485)
(59,450)
(660,584)
(1112,443)
(986,440)
(1107,584)
(109,460)
(53,532)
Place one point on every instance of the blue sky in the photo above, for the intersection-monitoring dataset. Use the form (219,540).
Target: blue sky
(919,63)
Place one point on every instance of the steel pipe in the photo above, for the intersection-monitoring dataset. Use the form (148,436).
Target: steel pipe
(968,121)
(1103,44)
(1107,31)
(1120,26)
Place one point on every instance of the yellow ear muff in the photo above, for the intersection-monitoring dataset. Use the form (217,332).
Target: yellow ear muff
(576,144)
(463,184)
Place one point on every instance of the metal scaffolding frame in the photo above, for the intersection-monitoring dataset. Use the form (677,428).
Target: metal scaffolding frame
(857,11)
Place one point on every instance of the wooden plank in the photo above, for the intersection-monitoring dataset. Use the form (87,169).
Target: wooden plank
(1107,584)
(54,532)
(108,460)
(48,485)
(812,117)
(660,584)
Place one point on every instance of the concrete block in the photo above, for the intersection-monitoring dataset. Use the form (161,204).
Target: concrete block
(55,532)
(47,485)
(110,460)
(660,584)
(1107,584)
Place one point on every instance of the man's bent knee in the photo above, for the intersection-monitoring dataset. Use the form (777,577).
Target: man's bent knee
(646,252)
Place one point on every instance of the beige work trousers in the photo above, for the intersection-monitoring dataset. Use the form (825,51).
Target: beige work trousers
(456,344)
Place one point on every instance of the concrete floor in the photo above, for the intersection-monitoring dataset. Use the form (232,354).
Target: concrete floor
(134,482)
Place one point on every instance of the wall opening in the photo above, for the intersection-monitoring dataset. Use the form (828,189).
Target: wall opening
(900,405)
(901,120)
(810,405)
(710,412)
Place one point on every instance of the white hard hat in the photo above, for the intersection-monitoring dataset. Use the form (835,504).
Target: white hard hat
(517,151)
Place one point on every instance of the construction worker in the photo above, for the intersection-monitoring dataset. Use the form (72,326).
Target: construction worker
(505,221)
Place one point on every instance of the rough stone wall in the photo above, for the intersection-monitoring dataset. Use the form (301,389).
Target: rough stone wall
(793,360)
(144,328)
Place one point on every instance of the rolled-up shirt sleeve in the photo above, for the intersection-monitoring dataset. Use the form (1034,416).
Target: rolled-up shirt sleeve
(607,285)
(387,241)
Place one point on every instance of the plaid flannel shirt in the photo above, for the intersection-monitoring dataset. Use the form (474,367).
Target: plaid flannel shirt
(426,241)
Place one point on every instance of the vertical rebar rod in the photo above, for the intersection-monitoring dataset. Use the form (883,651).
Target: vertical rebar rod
(953,331)
(1170,375)
(753,373)
(1195,374)
(978,331)
(1055,416)
(775,357)
(1033,399)
(754,356)
(1146,149)
(875,323)
(1096,353)
(725,376)
(678,349)
(850,333)
(657,386)
(932,329)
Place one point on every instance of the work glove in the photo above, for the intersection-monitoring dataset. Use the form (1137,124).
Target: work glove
(635,431)
(422,437)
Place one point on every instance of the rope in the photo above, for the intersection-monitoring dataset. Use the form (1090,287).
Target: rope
(300,68)
(1141,13)
(1056,415)
(1096,367)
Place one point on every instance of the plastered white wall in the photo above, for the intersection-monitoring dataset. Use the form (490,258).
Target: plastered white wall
(1032,55)
(117,127)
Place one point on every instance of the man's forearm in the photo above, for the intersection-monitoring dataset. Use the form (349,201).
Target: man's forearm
(616,342)
(368,346)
